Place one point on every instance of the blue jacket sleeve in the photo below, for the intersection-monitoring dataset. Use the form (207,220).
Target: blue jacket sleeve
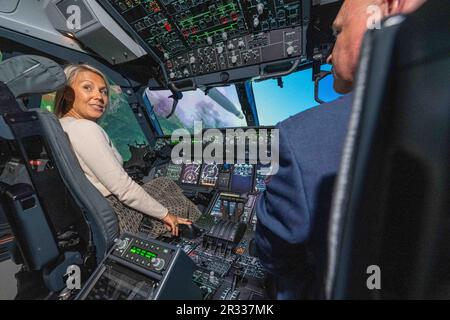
(284,218)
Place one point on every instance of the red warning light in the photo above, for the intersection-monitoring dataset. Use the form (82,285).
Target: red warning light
(223,20)
(168,26)
(234,16)
(35,163)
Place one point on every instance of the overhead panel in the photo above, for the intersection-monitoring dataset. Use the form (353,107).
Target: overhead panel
(206,41)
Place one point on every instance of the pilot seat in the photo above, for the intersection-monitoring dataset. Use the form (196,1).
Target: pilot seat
(389,231)
(58,218)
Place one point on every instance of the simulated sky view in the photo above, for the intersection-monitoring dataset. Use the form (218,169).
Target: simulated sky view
(275,104)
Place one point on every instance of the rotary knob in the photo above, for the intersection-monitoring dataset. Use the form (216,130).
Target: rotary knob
(192,60)
(241,44)
(211,276)
(219,50)
(121,244)
(166,56)
(233,59)
(158,263)
(290,50)
(255,22)
(209,40)
(260,8)
(186,72)
(172,75)
(224,36)
(230,46)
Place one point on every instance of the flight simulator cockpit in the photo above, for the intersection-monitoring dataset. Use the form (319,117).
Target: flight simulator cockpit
(197,88)
(172,65)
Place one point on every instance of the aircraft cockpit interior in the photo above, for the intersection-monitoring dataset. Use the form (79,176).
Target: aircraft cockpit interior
(196,92)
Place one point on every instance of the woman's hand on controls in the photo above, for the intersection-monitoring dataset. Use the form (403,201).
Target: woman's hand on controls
(172,221)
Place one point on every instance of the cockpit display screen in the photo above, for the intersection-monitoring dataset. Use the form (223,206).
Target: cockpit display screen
(191,173)
(242,178)
(262,177)
(210,174)
(173,171)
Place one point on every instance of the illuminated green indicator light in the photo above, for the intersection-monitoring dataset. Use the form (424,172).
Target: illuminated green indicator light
(142,252)
(222,10)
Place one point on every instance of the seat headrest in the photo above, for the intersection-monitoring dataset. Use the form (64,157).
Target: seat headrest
(30,74)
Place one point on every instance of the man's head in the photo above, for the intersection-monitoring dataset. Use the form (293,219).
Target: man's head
(350,26)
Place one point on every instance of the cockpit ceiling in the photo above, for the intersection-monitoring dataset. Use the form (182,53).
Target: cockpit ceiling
(194,42)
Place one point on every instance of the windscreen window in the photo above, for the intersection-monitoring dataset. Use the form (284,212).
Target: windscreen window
(275,104)
(219,109)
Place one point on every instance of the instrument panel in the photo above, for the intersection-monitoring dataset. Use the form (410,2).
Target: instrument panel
(222,249)
(237,178)
(243,177)
(172,27)
(225,266)
(191,38)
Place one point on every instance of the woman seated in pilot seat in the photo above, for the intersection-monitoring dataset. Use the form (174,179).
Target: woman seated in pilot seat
(78,106)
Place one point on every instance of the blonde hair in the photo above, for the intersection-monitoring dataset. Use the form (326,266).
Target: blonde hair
(71,71)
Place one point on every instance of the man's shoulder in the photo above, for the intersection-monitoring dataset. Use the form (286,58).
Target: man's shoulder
(336,112)
(318,131)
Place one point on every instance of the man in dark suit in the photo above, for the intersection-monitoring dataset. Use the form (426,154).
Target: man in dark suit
(293,211)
